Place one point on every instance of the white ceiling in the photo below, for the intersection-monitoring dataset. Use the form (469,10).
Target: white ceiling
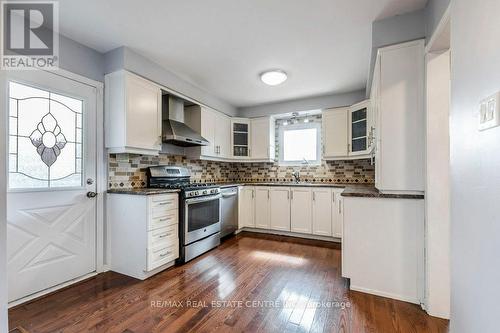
(221,46)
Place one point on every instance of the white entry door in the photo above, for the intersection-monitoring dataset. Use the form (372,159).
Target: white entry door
(51,208)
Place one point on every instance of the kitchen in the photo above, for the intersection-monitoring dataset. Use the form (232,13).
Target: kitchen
(179,187)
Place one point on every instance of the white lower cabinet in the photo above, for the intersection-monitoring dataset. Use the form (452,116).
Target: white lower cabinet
(301,210)
(337,213)
(279,199)
(246,207)
(262,208)
(383,246)
(322,211)
(144,236)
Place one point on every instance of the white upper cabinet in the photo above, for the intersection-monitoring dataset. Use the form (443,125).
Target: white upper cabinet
(262,139)
(335,133)
(322,211)
(280,208)
(132,114)
(301,210)
(240,138)
(400,118)
(223,135)
(360,129)
(215,127)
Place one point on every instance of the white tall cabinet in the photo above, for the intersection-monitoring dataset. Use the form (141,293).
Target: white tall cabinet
(398,96)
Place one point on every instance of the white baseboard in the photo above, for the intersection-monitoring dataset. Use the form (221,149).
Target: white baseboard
(50,290)
(291,234)
(384,294)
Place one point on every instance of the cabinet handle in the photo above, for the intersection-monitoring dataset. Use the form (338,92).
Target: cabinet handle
(348,147)
(288,195)
(268,194)
(165,254)
(165,219)
(253,193)
(340,207)
(291,193)
(165,203)
(314,196)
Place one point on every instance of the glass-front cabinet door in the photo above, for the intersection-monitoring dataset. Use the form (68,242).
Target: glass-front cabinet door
(359,129)
(240,138)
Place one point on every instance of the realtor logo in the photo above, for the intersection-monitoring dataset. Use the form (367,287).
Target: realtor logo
(29,35)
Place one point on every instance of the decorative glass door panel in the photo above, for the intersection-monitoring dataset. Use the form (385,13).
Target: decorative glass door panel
(358,130)
(45,139)
(240,140)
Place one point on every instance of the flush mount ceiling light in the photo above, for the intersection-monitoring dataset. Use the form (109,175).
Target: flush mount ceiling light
(274,77)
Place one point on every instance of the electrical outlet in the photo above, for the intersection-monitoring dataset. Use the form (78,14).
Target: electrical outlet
(489,112)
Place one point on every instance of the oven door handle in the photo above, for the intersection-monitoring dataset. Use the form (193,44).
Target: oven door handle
(203,199)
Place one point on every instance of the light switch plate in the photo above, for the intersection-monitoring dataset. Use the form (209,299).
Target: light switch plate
(489,112)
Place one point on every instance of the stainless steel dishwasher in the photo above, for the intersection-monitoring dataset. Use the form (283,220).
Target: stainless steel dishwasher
(229,210)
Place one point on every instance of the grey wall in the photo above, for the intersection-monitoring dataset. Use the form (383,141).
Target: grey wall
(434,12)
(3,217)
(475,163)
(303,104)
(80,59)
(125,58)
(393,30)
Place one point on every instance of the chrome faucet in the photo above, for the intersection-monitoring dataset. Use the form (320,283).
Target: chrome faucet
(296,175)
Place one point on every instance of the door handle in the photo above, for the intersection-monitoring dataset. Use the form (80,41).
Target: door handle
(91,195)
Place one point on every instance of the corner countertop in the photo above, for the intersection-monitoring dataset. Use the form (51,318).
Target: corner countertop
(141,191)
(372,192)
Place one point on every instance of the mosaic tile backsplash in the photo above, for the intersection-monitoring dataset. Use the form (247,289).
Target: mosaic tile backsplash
(127,171)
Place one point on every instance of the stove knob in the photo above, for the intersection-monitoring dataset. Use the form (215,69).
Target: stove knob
(205,192)
(213,191)
(196,193)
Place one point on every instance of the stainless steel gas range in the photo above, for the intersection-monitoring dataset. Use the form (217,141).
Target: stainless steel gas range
(199,210)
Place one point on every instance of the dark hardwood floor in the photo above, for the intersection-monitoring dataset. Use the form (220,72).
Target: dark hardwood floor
(285,274)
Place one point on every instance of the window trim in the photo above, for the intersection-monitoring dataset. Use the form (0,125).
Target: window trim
(310,125)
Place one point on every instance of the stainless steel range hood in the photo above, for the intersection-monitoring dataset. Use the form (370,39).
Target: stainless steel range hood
(174,130)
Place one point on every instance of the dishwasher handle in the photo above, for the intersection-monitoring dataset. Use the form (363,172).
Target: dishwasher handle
(227,195)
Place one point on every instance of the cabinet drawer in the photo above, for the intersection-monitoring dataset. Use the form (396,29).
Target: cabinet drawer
(165,236)
(163,220)
(161,255)
(164,202)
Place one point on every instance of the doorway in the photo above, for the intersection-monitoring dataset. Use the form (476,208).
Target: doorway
(51,182)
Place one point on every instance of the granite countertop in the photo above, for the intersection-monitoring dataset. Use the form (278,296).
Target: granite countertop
(141,191)
(372,192)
